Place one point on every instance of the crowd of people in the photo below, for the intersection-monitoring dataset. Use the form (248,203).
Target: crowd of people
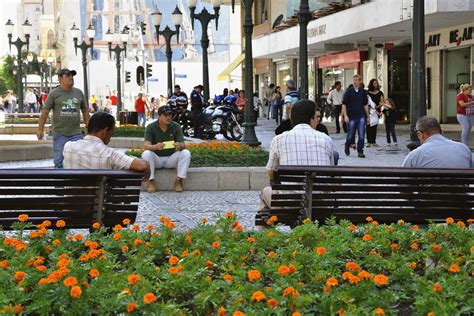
(33,101)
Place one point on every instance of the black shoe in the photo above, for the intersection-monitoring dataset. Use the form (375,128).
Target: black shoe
(347,150)
(360,154)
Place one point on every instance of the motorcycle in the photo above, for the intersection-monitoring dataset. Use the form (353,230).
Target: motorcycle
(221,119)
(181,114)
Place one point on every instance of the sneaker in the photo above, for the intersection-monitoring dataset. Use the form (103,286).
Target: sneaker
(389,144)
(353,146)
(347,150)
(395,144)
(360,154)
(368,145)
(375,145)
(178,185)
(151,186)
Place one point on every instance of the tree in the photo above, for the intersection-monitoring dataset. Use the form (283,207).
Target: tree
(7,79)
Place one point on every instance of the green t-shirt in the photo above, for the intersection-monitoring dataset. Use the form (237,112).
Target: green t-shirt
(154,134)
(66,106)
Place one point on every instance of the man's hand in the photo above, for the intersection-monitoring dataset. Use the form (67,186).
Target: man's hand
(40,134)
(346,119)
(179,146)
(159,146)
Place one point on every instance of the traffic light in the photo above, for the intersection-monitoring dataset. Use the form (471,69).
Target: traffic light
(149,70)
(143,27)
(127,76)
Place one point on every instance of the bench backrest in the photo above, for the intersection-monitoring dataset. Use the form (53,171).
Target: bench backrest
(79,197)
(386,194)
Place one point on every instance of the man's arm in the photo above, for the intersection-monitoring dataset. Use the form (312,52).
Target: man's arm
(42,121)
(344,114)
(366,109)
(148,146)
(86,116)
(141,165)
(330,96)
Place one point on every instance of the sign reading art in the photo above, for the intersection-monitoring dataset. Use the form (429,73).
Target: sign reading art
(450,38)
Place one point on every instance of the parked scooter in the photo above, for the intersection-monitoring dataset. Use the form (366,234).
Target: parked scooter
(221,119)
(181,114)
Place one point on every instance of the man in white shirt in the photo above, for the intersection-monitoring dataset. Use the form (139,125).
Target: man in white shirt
(92,152)
(335,100)
(301,146)
(31,100)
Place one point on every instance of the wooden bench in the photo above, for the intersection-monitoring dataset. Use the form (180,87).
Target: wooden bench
(386,194)
(79,197)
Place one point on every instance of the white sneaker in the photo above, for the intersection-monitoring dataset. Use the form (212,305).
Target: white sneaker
(395,144)
(389,144)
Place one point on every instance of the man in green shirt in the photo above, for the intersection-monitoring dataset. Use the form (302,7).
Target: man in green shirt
(165,148)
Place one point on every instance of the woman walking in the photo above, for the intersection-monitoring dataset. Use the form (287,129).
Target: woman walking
(465,112)
(377,96)
(278,104)
(390,120)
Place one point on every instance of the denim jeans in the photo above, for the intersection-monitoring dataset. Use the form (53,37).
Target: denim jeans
(142,117)
(359,125)
(58,147)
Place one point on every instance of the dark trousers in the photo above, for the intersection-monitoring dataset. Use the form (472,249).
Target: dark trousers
(337,113)
(371,134)
(390,130)
(197,120)
(278,113)
(359,126)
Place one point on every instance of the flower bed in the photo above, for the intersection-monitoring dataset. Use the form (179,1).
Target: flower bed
(223,270)
(220,154)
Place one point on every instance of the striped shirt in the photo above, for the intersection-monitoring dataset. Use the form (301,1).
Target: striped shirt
(301,146)
(92,153)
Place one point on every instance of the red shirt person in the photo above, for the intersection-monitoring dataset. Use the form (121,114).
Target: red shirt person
(140,105)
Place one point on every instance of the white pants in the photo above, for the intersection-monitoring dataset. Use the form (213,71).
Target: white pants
(180,159)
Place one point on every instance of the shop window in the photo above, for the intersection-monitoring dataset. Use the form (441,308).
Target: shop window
(262,9)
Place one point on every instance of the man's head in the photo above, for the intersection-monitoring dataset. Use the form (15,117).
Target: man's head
(291,85)
(318,116)
(66,78)
(166,115)
(338,85)
(177,89)
(199,88)
(101,125)
(356,79)
(426,127)
(272,86)
(140,95)
(303,112)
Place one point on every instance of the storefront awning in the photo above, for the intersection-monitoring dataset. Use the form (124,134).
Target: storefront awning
(225,75)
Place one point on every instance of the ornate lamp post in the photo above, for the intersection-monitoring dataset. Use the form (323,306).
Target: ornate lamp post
(122,37)
(19,45)
(304,16)
(205,17)
(249,138)
(168,33)
(84,47)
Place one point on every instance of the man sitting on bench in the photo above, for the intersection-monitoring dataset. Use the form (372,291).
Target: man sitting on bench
(301,146)
(92,152)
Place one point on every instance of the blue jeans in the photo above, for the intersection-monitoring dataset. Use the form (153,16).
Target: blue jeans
(58,147)
(359,125)
(141,116)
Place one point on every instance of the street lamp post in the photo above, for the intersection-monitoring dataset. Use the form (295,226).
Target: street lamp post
(418,82)
(168,33)
(205,17)
(19,45)
(123,37)
(249,138)
(84,47)
(304,16)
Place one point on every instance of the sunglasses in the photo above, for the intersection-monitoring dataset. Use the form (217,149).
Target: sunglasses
(417,130)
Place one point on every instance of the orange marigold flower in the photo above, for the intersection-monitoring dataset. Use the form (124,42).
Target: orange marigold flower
(137,242)
(375,223)
(4,264)
(414,246)
(340,312)
(272,254)
(221,311)
(449,220)
(389,229)
(290,291)
(332,282)
(251,240)
(470,220)
(239,228)
(272,303)
(23,218)
(124,248)
(352,227)
(227,278)
(436,248)
(196,253)
(136,227)
(416,227)
(78,237)
(394,247)
(461,224)
(253,275)
(173,270)
(133,279)
(352,266)
(42,281)
(41,268)
(296,314)
(173,260)
(229,215)
(204,220)
(454,268)
(131,307)
(380,279)
(401,222)
(283,270)
(185,253)
(364,275)
(272,219)
(96,225)
(292,268)
(117,236)
(258,296)
(149,298)
(56,242)
(149,227)
(19,276)
(430,314)
(321,250)
(437,287)
(216,244)
(94,273)
(369,219)
(238,313)
(307,220)
(60,224)
(379,311)
(70,281)
(367,237)
(126,221)
(76,292)
(118,228)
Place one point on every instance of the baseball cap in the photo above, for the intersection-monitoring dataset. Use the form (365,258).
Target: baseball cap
(164,110)
(65,71)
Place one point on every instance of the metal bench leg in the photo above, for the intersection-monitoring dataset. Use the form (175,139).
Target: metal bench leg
(100,206)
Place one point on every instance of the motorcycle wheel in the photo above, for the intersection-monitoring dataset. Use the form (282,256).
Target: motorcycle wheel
(236,131)
(227,134)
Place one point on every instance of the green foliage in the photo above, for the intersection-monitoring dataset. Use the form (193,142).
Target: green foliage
(313,270)
(7,79)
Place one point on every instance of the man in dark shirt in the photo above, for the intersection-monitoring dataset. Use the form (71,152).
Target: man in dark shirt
(355,112)
(165,148)
(178,93)
(197,105)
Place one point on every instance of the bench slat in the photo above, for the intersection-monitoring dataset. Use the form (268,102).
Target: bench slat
(121,207)
(48,191)
(48,182)
(123,198)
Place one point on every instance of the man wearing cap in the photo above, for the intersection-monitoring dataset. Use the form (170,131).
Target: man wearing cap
(66,102)
(165,148)
(197,104)
(178,93)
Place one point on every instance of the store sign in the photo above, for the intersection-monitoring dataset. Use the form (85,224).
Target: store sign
(389,46)
(450,38)
(317,31)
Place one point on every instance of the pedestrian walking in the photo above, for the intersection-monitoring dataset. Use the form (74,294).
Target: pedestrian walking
(377,97)
(465,112)
(67,104)
(388,110)
(141,106)
(269,100)
(335,100)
